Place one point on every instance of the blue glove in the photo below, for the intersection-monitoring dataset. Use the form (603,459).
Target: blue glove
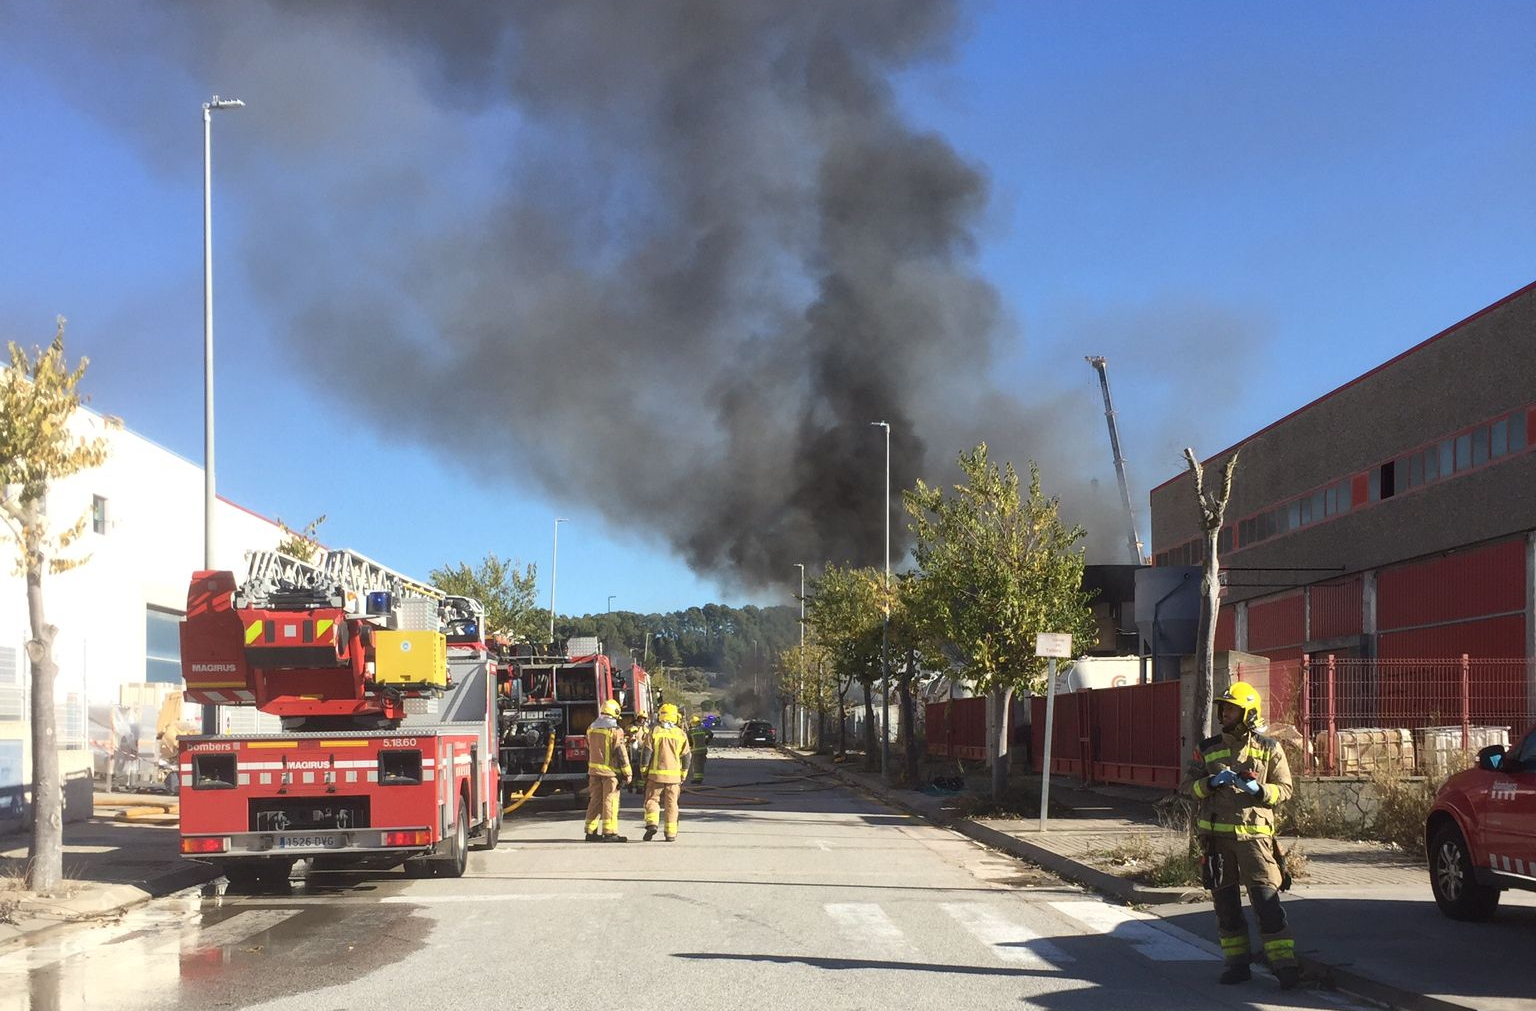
(1226,777)
(1251,785)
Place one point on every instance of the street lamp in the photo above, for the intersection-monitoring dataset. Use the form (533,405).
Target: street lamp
(554,569)
(800,676)
(885,628)
(610,603)
(210,712)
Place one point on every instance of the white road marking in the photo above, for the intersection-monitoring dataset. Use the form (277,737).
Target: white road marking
(432,900)
(1159,943)
(866,924)
(1008,940)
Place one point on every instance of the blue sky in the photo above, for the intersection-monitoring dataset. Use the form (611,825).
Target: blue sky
(1242,206)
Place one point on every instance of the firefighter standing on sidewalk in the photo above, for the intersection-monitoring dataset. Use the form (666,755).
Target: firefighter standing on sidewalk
(638,744)
(699,737)
(607,768)
(669,755)
(1238,778)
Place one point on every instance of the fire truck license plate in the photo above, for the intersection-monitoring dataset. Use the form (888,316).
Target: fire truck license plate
(308,842)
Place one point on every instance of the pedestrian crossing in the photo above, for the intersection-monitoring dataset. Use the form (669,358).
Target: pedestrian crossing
(1000,930)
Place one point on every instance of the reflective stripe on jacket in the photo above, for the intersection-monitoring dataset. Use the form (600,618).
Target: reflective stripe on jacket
(699,737)
(669,752)
(606,755)
(1228,811)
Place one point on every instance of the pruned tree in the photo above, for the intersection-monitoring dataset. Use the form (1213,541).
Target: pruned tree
(1212,506)
(300,544)
(506,592)
(39,393)
(995,570)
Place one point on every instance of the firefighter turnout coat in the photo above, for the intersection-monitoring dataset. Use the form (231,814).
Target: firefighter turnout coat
(1230,812)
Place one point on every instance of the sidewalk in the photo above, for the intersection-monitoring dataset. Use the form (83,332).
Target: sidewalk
(126,854)
(1363,915)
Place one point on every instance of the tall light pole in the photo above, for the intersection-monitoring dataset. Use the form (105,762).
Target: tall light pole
(885,628)
(554,569)
(210,712)
(610,603)
(800,677)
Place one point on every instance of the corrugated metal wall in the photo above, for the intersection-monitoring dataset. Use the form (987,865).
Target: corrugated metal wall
(1484,638)
(1226,628)
(1336,610)
(1276,622)
(1468,584)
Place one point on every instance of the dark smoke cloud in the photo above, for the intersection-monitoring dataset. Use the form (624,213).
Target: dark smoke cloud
(692,247)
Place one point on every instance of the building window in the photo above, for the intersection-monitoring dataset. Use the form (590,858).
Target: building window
(162,647)
(12,708)
(1388,479)
(1479,445)
(1517,431)
(98,514)
(1463,451)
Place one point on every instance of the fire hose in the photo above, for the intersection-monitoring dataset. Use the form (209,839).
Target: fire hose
(527,795)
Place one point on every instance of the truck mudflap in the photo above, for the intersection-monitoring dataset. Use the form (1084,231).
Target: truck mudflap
(412,840)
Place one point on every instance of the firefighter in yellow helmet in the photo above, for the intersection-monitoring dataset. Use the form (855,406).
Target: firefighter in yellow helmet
(699,737)
(669,754)
(1237,779)
(639,738)
(607,769)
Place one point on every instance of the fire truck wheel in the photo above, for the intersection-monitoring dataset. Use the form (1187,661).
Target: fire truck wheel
(452,866)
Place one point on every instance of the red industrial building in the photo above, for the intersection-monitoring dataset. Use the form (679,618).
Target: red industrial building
(1389,524)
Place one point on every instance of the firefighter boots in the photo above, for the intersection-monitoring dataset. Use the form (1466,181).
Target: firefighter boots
(594,837)
(1236,972)
(650,832)
(613,837)
(1289,976)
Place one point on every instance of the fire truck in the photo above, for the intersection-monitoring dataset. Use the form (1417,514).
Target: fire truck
(546,702)
(384,690)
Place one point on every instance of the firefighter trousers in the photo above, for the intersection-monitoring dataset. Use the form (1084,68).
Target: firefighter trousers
(603,805)
(696,766)
(661,802)
(1249,863)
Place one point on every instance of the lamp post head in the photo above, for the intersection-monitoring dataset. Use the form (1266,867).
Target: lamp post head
(223,103)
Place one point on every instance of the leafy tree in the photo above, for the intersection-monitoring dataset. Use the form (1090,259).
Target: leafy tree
(843,613)
(995,571)
(812,682)
(300,544)
(506,593)
(39,393)
(1212,505)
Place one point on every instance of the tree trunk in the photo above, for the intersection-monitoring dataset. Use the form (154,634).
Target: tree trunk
(842,721)
(997,739)
(1205,649)
(871,752)
(909,721)
(46,857)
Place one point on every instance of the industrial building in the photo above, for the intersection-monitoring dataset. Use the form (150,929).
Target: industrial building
(1391,520)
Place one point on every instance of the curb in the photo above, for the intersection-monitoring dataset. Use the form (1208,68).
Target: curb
(1331,976)
(116,899)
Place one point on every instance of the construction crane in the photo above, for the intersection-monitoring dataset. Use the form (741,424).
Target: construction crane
(1133,539)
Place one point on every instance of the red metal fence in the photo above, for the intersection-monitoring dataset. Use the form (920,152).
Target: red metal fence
(1350,716)
(1114,735)
(957,728)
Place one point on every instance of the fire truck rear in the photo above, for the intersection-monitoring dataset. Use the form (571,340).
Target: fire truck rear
(385,692)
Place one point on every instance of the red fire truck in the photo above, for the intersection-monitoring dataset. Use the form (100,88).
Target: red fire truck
(384,688)
(546,704)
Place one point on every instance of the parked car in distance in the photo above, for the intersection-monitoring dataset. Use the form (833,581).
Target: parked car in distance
(755,732)
(1481,832)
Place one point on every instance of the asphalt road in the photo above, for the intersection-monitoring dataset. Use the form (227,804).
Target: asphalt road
(783,890)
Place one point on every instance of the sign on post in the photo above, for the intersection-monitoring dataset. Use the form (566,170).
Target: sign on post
(1054,645)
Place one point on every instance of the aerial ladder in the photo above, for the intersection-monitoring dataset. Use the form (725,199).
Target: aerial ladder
(1133,539)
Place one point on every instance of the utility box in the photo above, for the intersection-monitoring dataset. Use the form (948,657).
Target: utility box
(410,658)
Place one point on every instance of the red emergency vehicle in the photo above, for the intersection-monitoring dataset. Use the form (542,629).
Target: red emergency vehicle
(1481,831)
(385,690)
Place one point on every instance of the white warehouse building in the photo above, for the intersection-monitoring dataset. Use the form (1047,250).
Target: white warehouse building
(118,613)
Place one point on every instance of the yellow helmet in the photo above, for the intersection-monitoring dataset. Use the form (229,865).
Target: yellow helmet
(668,713)
(611,707)
(1245,697)
(697,720)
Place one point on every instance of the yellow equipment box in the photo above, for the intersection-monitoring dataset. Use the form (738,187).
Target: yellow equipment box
(410,658)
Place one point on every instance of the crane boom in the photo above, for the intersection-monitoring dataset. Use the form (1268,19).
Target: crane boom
(1133,539)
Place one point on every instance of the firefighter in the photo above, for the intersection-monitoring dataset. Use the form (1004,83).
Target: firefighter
(668,763)
(699,737)
(1238,778)
(607,769)
(639,742)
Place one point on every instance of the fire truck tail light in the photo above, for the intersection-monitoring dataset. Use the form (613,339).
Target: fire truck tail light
(418,838)
(204,845)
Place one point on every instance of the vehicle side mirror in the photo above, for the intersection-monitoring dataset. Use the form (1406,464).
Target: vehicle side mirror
(1491,758)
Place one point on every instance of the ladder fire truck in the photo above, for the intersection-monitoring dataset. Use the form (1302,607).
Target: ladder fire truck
(384,688)
(546,704)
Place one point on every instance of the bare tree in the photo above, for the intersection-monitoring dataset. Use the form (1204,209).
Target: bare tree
(1213,511)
